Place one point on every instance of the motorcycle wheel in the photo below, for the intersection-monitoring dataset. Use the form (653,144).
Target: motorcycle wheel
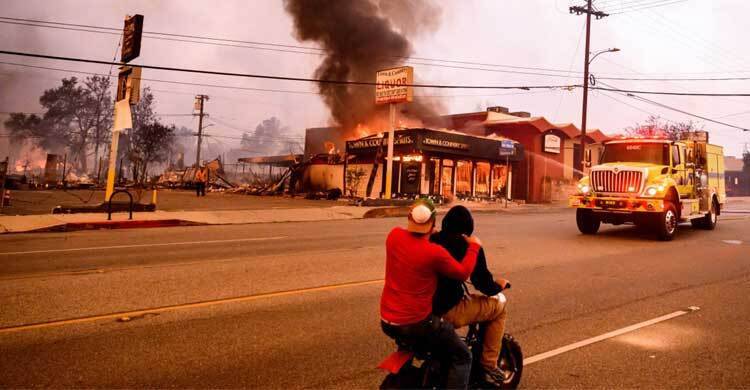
(510,362)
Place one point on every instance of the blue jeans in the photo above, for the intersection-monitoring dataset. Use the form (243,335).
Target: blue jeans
(444,342)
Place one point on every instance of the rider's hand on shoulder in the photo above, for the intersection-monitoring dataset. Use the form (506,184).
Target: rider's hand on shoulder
(473,240)
(503,283)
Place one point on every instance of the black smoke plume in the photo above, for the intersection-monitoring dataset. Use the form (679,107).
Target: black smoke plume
(361,37)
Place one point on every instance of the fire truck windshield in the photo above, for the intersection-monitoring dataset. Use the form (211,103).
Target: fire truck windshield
(653,153)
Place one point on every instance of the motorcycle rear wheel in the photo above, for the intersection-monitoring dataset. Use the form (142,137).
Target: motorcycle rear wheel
(510,362)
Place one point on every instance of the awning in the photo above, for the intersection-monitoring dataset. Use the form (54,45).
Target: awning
(277,161)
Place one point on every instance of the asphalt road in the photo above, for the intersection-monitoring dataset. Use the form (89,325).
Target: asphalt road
(295,305)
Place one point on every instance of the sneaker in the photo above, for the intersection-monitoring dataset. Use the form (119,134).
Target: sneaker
(494,377)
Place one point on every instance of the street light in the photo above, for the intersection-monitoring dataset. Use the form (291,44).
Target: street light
(586,96)
(612,50)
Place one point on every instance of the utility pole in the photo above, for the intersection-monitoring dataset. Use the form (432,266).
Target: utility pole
(588,10)
(199,101)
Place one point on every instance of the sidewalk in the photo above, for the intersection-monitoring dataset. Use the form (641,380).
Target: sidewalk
(68,222)
(87,221)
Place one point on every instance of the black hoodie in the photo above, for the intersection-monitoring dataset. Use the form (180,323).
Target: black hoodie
(456,223)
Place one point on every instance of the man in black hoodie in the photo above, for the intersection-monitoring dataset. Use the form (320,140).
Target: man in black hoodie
(453,302)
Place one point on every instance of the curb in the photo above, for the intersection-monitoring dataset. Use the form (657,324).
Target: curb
(403,211)
(76,226)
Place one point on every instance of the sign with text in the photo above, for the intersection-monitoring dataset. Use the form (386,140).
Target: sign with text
(394,85)
(552,143)
(378,141)
(507,148)
(445,143)
(131,38)
(411,175)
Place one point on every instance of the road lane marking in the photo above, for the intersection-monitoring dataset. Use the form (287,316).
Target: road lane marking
(92,248)
(194,305)
(608,335)
(732,242)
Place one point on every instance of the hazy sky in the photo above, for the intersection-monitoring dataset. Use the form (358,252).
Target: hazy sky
(690,38)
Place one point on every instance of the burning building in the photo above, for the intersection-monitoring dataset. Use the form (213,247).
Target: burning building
(426,161)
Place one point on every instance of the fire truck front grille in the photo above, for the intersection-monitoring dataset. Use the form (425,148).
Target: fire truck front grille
(620,182)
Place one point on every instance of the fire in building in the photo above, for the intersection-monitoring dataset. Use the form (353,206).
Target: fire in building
(489,154)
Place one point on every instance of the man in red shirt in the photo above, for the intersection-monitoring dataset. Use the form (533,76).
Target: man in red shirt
(412,267)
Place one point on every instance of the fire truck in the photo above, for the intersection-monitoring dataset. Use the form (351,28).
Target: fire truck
(654,183)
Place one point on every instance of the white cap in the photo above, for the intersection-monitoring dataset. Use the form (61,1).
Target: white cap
(421,214)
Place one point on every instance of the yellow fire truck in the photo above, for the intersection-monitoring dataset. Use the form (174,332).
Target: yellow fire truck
(654,183)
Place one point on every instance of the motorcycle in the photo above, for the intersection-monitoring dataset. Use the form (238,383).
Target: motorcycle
(413,366)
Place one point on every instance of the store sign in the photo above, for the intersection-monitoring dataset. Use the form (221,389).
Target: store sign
(376,142)
(551,143)
(394,85)
(131,38)
(444,143)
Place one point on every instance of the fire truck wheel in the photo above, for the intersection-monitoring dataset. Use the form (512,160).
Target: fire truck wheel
(667,222)
(708,222)
(587,222)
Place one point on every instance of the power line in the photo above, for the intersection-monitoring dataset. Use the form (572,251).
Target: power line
(646,6)
(281,78)
(408,59)
(671,93)
(676,78)
(687,113)
(362,83)
(680,111)
(27,22)
(232,87)
(566,75)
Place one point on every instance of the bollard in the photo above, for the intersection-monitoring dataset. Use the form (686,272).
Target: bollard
(153,197)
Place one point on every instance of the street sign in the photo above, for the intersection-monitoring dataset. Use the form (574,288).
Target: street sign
(131,38)
(507,148)
(394,85)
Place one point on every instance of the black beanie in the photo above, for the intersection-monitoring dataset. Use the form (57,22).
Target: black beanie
(458,220)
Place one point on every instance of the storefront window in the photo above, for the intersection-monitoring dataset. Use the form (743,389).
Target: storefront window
(434,180)
(447,180)
(463,178)
(499,177)
(483,179)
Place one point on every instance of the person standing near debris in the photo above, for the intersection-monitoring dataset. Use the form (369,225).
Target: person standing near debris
(201,178)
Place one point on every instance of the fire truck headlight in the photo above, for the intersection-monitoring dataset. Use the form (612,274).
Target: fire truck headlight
(585,189)
(654,190)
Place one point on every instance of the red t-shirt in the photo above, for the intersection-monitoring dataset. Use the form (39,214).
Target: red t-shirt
(412,266)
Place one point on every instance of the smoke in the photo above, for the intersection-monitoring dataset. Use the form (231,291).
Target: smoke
(361,37)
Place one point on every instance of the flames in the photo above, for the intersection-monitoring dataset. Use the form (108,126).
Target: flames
(330,147)
(33,159)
